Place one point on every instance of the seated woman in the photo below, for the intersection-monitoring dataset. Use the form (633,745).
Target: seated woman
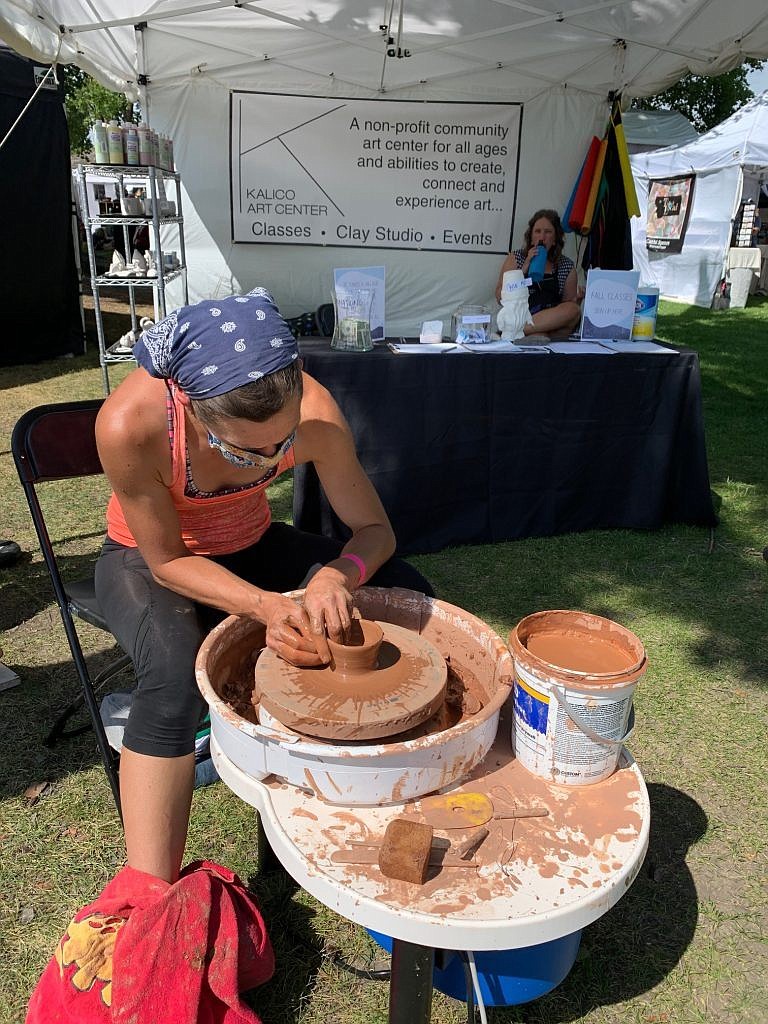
(554,301)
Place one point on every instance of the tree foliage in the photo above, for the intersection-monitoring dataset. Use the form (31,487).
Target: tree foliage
(705,101)
(85,101)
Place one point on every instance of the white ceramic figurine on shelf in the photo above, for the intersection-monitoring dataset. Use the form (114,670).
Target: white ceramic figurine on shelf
(513,315)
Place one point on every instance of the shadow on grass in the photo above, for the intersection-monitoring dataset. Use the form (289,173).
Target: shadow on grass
(734,373)
(26,588)
(638,942)
(298,949)
(683,602)
(115,322)
(29,712)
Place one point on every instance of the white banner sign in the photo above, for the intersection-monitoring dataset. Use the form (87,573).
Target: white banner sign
(374,174)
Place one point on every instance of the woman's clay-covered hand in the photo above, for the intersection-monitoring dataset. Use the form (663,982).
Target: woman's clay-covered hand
(289,633)
(328,603)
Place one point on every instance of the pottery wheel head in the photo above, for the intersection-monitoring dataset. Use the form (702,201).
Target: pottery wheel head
(386,681)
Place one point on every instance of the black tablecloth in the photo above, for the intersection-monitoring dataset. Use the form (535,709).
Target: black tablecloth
(467,449)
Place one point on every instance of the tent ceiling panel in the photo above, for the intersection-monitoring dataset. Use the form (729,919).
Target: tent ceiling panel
(526,46)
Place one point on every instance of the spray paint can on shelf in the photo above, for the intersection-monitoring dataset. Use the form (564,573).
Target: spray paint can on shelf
(155,147)
(171,165)
(99,140)
(115,143)
(163,143)
(131,145)
(145,145)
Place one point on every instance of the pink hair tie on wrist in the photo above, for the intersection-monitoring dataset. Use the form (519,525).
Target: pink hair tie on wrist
(360,567)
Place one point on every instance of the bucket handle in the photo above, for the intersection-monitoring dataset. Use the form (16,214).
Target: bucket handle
(579,722)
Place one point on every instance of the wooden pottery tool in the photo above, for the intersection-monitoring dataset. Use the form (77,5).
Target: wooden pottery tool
(437,858)
(465,810)
(466,849)
(407,851)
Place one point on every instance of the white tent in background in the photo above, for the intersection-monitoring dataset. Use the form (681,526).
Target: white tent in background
(656,129)
(558,59)
(728,164)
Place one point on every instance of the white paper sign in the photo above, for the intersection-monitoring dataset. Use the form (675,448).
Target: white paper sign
(386,174)
(609,304)
(431,332)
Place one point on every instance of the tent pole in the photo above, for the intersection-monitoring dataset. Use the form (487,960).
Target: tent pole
(619,60)
(141,67)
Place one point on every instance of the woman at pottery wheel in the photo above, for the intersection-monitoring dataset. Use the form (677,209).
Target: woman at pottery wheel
(217,409)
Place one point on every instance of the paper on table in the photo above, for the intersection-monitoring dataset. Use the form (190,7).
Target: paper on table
(406,347)
(579,348)
(500,346)
(639,346)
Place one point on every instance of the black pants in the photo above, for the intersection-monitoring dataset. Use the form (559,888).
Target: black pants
(162,630)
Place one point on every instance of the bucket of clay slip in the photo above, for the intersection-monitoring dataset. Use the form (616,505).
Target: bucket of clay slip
(575,675)
(646,310)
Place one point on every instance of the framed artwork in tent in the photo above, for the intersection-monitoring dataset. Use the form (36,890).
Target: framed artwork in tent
(669,210)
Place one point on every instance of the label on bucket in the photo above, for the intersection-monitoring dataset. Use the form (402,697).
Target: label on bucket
(531,712)
(551,745)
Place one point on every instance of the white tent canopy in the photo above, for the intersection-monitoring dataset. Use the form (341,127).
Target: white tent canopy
(558,58)
(729,162)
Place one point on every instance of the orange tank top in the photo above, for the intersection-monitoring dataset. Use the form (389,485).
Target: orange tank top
(212,524)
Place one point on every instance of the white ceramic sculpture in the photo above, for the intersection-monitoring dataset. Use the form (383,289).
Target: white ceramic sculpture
(513,315)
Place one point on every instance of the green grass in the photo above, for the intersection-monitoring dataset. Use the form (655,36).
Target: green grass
(687,943)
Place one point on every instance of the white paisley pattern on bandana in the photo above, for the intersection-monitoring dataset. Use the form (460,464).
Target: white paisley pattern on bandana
(217,345)
(157,341)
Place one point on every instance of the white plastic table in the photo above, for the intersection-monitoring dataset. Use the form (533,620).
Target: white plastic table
(537,879)
(744,261)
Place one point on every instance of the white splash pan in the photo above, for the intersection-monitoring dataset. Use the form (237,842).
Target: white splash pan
(362,774)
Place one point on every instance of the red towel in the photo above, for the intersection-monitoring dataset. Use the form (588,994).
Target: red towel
(146,952)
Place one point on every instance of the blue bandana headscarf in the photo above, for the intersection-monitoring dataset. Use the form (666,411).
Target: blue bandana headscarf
(218,345)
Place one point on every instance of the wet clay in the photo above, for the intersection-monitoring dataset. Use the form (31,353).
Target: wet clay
(446,746)
(583,835)
(579,652)
(584,649)
(593,823)
(403,686)
(359,653)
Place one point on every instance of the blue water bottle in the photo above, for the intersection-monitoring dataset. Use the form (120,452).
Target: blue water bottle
(538,264)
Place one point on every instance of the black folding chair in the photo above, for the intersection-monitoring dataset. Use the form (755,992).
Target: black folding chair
(58,442)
